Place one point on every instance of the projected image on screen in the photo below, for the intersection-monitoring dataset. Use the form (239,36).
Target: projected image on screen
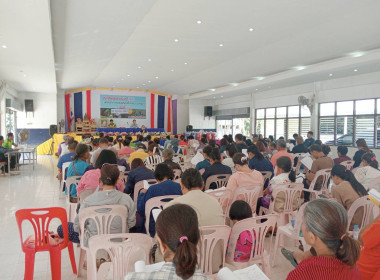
(127,107)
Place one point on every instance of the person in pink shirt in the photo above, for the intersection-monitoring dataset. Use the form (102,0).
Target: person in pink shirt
(281,152)
(90,179)
(126,150)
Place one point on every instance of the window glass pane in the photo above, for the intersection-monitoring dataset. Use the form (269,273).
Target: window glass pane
(260,113)
(281,112)
(293,111)
(260,127)
(345,108)
(344,130)
(269,128)
(241,125)
(223,127)
(293,125)
(270,113)
(378,106)
(378,130)
(327,109)
(305,127)
(365,129)
(280,128)
(365,107)
(305,112)
(326,130)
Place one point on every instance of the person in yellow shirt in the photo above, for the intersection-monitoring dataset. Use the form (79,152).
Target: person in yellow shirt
(111,124)
(139,153)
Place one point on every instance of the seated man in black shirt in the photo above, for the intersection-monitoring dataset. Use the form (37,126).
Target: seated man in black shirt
(240,145)
(216,167)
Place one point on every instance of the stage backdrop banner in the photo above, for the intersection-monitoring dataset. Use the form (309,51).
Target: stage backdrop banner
(128,107)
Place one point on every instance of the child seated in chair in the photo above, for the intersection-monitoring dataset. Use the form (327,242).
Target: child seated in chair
(241,210)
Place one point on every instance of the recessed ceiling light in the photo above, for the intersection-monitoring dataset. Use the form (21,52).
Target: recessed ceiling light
(122,79)
(212,89)
(139,67)
(221,96)
(172,70)
(220,45)
(199,21)
(357,54)
(356,70)
(233,84)
(176,40)
(149,81)
(128,75)
(251,29)
(156,77)
(4,46)
(24,75)
(185,63)
(331,74)
(143,84)
(259,78)
(149,59)
(299,68)
(257,89)
(137,87)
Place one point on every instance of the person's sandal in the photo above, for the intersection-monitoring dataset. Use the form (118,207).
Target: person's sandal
(289,256)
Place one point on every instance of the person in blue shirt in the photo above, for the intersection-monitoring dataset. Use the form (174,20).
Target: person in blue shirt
(164,175)
(258,162)
(216,167)
(72,145)
(310,140)
(138,173)
(206,162)
(79,164)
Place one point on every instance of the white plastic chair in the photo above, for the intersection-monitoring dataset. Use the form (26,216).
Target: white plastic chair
(65,165)
(367,206)
(72,182)
(210,235)
(325,174)
(348,164)
(300,156)
(177,175)
(258,231)
(124,249)
(156,202)
(290,232)
(139,186)
(220,180)
(223,196)
(292,193)
(121,168)
(249,194)
(267,176)
(102,217)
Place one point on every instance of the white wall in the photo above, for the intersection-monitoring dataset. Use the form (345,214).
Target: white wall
(11,94)
(60,105)
(182,113)
(196,114)
(45,110)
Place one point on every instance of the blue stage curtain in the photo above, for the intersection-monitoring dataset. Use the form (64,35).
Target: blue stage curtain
(78,106)
(161,112)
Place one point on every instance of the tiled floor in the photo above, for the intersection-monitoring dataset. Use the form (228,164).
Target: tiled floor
(36,189)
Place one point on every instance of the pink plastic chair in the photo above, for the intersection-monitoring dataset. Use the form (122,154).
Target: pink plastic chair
(300,156)
(348,164)
(72,182)
(102,216)
(249,194)
(290,232)
(292,193)
(139,186)
(258,232)
(367,206)
(267,175)
(210,235)
(124,249)
(223,196)
(325,174)
(177,174)
(40,219)
(156,202)
(220,180)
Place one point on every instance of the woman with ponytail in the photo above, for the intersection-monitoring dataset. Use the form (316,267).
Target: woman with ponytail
(368,171)
(79,165)
(334,253)
(346,190)
(362,146)
(178,237)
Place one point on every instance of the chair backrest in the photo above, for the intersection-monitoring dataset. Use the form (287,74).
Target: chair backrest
(85,193)
(177,158)
(291,191)
(299,220)
(325,174)
(121,168)
(177,174)
(210,235)
(223,196)
(40,219)
(65,165)
(124,176)
(249,194)
(156,202)
(124,249)
(220,180)
(202,171)
(348,164)
(151,166)
(299,157)
(139,186)
(258,231)
(71,182)
(367,206)
(101,217)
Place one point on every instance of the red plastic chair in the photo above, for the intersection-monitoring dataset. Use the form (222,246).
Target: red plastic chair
(40,222)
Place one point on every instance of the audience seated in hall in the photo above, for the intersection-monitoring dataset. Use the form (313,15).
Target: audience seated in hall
(138,173)
(273,147)
(362,146)
(109,176)
(320,162)
(66,157)
(79,164)
(132,145)
(281,151)
(206,162)
(334,252)
(342,155)
(257,161)
(63,146)
(139,153)
(368,171)
(103,144)
(202,144)
(167,156)
(90,179)
(216,167)
(119,143)
(164,176)
(223,145)
(231,150)
(346,190)
(126,150)
(182,141)
(240,144)
(299,148)
(310,140)
(325,149)
(294,140)
(178,240)
(153,157)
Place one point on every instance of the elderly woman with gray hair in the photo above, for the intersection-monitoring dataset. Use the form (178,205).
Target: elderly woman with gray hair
(334,253)
(63,148)
(167,156)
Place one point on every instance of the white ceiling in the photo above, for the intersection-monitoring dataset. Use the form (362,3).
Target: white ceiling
(100,43)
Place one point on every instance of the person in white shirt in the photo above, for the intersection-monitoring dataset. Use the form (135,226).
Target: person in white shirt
(134,124)
(368,171)
(230,151)
(103,144)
